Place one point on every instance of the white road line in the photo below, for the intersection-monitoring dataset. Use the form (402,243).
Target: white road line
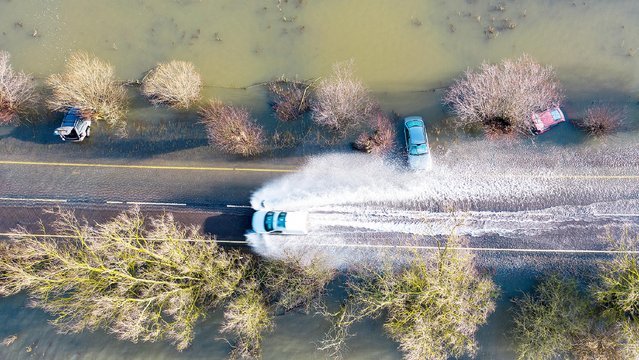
(33,199)
(239,206)
(154,203)
(486,249)
(620,214)
(115,202)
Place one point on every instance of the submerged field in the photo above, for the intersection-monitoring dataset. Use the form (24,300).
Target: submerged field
(406,53)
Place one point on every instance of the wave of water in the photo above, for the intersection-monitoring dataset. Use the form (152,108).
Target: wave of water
(477,190)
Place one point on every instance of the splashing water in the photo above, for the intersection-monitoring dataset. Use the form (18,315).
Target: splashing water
(496,194)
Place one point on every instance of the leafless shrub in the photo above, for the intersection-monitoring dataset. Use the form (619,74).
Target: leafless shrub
(231,129)
(503,96)
(381,140)
(246,318)
(17,91)
(291,283)
(140,279)
(432,307)
(341,100)
(290,98)
(89,84)
(176,84)
(602,120)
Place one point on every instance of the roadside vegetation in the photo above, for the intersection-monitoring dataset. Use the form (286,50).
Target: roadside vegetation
(502,97)
(565,319)
(176,84)
(141,279)
(18,94)
(146,279)
(290,98)
(602,120)
(89,84)
(432,306)
(341,100)
(232,130)
(382,138)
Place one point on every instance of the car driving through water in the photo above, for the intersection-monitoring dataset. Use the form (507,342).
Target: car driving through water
(417,144)
(280,222)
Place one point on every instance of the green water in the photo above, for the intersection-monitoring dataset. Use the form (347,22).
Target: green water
(399,47)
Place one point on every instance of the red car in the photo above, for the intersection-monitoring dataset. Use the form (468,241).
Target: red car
(543,121)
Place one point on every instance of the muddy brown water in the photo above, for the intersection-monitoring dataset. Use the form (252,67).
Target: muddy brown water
(401,50)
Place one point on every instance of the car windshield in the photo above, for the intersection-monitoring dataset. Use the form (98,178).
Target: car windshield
(268,221)
(281,220)
(420,149)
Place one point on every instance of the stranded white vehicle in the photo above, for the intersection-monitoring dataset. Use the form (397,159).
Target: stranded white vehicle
(280,222)
(74,127)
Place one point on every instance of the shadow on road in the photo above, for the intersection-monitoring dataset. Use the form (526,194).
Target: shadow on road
(227,227)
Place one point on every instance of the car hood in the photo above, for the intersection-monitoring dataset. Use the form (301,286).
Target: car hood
(64,130)
(420,162)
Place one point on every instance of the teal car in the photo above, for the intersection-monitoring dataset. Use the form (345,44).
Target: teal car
(417,147)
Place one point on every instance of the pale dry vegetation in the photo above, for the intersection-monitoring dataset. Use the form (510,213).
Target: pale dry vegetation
(246,318)
(565,319)
(341,100)
(89,84)
(432,307)
(176,84)
(231,129)
(17,91)
(290,98)
(381,140)
(502,97)
(140,279)
(602,120)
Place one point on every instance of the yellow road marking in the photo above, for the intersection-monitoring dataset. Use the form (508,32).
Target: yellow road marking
(207,168)
(147,167)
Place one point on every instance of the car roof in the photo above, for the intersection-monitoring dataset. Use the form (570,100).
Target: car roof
(417,135)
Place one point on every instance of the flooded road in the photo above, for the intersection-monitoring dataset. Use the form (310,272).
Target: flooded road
(406,52)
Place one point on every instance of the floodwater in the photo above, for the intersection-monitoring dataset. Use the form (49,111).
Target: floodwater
(404,51)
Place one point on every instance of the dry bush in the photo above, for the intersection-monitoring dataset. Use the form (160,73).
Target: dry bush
(292,284)
(381,140)
(89,84)
(290,98)
(17,91)
(602,120)
(231,129)
(341,100)
(432,307)
(140,279)
(548,321)
(176,84)
(246,318)
(503,96)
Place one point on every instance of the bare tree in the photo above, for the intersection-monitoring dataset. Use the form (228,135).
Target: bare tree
(341,100)
(231,129)
(381,140)
(140,279)
(176,84)
(247,317)
(17,91)
(290,98)
(503,96)
(432,307)
(89,84)
(602,120)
